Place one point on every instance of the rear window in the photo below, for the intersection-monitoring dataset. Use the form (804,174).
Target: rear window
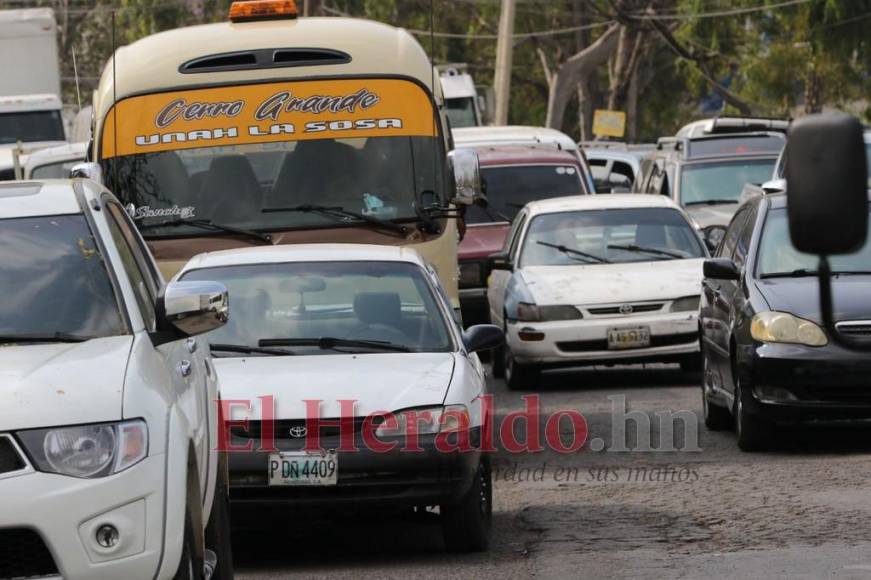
(512,187)
(53,280)
(736,146)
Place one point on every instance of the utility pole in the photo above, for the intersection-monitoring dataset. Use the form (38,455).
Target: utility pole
(305,7)
(504,54)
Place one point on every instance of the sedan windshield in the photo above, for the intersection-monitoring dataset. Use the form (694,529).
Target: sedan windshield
(722,181)
(53,281)
(238,185)
(609,236)
(778,257)
(510,188)
(328,307)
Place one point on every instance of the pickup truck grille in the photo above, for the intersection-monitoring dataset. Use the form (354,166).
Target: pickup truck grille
(10,460)
(23,554)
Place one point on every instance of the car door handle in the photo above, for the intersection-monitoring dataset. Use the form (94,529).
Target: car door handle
(191,345)
(185,368)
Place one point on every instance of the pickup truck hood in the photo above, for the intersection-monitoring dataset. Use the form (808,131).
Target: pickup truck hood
(584,285)
(712,215)
(378,382)
(482,240)
(43,385)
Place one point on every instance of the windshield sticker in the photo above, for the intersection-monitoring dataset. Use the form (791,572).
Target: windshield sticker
(263,113)
(145,211)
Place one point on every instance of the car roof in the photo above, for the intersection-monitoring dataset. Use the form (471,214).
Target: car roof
(59,153)
(20,199)
(513,135)
(304,253)
(489,155)
(597,202)
(633,158)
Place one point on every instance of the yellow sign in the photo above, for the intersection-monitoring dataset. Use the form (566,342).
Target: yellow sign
(263,113)
(609,123)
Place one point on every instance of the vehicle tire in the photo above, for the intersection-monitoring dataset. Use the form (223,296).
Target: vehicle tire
(190,567)
(218,529)
(519,376)
(716,417)
(466,526)
(692,363)
(753,433)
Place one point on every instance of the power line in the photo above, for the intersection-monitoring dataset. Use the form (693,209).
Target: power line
(717,13)
(520,36)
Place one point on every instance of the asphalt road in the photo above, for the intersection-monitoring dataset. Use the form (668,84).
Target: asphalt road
(700,510)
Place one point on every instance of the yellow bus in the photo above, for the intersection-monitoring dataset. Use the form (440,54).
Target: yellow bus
(273,129)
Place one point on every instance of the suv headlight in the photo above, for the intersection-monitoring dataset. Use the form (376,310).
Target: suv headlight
(430,420)
(87,451)
(686,304)
(527,312)
(783,327)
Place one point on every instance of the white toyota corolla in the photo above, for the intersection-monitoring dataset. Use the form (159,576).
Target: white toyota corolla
(108,462)
(351,384)
(596,280)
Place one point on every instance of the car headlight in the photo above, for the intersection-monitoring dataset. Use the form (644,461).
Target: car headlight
(429,420)
(527,312)
(783,327)
(687,304)
(87,451)
(470,274)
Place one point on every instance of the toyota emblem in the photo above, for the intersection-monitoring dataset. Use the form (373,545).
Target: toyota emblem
(626,309)
(298,432)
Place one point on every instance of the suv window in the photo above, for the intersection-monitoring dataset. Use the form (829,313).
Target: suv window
(54,280)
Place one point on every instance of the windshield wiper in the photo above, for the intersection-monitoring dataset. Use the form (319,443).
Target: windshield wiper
(208,224)
(42,337)
(646,250)
(330,343)
(569,251)
(797,273)
(712,202)
(339,213)
(245,349)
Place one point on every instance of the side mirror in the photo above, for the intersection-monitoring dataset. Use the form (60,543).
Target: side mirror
(483,337)
(774,186)
(827,185)
(192,308)
(721,269)
(467,176)
(499,261)
(87,170)
(712,236)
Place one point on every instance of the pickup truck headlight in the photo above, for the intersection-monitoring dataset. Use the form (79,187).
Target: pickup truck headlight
(784,327)
(527,312)
(430,420)
(87,451)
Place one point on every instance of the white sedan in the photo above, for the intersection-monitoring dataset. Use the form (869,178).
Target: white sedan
(370,379)
(596,280)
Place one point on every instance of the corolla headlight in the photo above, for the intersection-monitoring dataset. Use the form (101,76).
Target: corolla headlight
(87,451)
(784,327)
(527,312)
(429,420)
(687,304)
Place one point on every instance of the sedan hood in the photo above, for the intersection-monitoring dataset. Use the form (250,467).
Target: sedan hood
(614,283)
(801,296)
(378,382)
(43,385)
(712,215)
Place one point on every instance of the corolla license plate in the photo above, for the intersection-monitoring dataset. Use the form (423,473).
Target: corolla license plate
(303,468)
(629,337)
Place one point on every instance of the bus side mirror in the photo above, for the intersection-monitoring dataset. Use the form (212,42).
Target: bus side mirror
(467,177)
(827,185)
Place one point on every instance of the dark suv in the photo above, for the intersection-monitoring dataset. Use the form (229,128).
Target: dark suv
(706,174)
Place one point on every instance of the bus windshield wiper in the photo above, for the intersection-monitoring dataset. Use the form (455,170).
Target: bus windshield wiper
(330,343)
(339,213)
(42,337)
(571,252)
(711,202)
(645,250)
(209,224)
(245,349)
(797,273)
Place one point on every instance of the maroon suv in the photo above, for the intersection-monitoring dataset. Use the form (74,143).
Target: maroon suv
(513,176)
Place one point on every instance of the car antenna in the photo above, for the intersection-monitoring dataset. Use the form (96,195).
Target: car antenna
(76,75)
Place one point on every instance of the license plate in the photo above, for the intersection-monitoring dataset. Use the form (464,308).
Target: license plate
(303,468)
(625,338)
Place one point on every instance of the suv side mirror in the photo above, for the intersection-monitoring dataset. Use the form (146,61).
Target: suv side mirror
(721,269)
(191,308)
(483,337)
(87,170)
(467,177)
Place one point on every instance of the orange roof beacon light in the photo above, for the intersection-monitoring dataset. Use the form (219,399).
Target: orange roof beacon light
(252,10)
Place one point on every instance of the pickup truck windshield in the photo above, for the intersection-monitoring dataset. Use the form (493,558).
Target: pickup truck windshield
(31,127)
(512,187)
(722,180)
(53,280)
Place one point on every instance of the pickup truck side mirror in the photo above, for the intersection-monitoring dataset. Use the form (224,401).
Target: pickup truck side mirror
(87,170)
(467,177)
(827,198)
(189,309)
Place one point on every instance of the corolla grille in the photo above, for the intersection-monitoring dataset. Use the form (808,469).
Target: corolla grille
(627,309)
(10,460)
